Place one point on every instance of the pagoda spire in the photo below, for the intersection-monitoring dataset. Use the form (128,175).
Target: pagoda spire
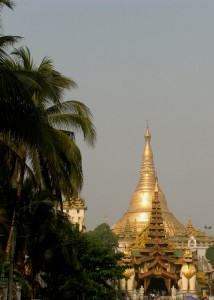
(128,230)
(189,224)
(156,230)
(147,174)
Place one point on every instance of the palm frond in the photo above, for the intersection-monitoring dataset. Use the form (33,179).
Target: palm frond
(10,4)
(5,42)
(24,58)
(17,110)
(75,115)
(8,40)
(71,106)
(55,82)
(61,171)
(15,156)
(33,157)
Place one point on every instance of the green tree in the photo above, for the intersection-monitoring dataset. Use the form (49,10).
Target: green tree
(210,254)
(101,271)
(105,236)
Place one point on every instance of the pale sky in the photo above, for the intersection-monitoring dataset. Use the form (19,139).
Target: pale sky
(134,61)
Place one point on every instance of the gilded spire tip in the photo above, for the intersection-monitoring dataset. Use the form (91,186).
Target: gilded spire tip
(147,133)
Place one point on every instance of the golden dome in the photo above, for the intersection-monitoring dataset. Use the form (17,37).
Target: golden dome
(140,206)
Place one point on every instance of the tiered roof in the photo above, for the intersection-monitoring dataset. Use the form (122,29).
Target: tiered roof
(75,202)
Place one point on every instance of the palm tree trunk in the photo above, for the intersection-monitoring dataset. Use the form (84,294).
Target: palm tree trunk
(10,257)
(11,244)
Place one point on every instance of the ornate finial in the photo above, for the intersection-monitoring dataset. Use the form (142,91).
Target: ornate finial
(147,133)
(189,224)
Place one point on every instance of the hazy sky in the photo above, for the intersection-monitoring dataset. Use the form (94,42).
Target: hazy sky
(135,61)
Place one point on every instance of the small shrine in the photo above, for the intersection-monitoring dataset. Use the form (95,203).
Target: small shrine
(75,207)
(190,237)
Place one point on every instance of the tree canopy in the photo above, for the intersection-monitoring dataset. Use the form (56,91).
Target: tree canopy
(105,236)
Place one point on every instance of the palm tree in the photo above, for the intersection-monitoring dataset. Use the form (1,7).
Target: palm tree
(57,162)
(33,139)
(46,86)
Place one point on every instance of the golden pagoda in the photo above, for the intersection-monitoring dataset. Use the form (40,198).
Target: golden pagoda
(154,242)
(140,207)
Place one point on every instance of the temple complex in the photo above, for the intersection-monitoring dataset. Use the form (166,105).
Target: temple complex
(160,253)
(157,264)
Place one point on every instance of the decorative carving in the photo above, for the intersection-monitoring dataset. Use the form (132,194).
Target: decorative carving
(127,283)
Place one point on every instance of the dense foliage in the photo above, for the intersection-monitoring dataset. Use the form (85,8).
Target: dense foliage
(63,261)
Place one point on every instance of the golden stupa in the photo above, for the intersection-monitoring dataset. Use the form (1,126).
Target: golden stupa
(137,216)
